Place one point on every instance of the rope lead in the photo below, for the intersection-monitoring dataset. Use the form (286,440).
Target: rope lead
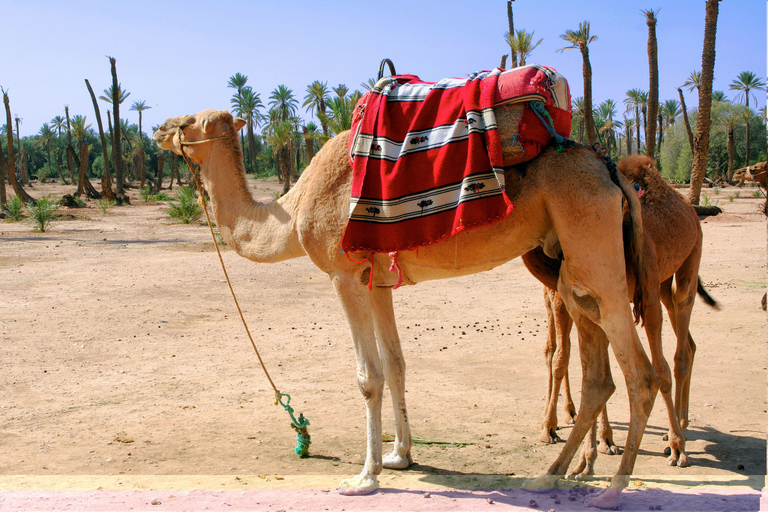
(299,425)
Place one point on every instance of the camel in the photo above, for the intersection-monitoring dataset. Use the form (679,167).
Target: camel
(673,238)
(568,202)
(756,173)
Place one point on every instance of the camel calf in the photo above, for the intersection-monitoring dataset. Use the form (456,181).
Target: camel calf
(673,239)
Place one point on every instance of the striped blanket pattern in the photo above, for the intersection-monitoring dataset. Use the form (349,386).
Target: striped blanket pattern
(427,162)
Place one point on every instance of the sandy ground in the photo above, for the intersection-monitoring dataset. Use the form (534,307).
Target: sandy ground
(123,355)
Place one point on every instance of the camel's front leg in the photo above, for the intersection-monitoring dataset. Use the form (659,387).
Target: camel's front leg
(356,302)
(394,373)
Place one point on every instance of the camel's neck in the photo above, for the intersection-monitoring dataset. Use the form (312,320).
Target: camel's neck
(260,232)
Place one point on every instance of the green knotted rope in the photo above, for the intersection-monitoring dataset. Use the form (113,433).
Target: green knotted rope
(299,424)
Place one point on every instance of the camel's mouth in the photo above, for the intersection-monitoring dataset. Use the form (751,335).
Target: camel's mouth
(164,135)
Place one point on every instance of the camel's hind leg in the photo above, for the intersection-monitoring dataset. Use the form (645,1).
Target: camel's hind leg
(356,302)
(557,354)
(394,374)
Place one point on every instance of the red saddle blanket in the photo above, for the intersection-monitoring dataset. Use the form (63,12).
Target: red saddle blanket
(427,158)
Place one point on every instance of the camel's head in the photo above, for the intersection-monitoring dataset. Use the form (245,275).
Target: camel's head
(637,167)
(751,173)
(207,125)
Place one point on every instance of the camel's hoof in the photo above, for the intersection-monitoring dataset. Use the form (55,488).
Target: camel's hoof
(549,437)
(684,461)
(608,499)
(541,483)
(608,448)
(583,476)
(359,485)
(396,461)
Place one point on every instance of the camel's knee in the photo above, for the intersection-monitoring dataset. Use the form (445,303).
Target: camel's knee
(371,385)
(586,304)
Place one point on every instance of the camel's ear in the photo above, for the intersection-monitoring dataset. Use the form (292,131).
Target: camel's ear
(188,121)
(239,123)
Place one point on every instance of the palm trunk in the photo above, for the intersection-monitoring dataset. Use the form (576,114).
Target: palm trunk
(685,119)
(637,126)
(308,143)
(661,136)
(251,146)
(17,188)
(731,153)
(106,178)
(746,147)
(3,172)
(701,140)
(160,168)
(589,120)
(69,149)
(653,90)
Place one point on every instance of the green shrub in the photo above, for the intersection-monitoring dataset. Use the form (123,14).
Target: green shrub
(105,204)
(41,213)
(146,194)
(187,211)
(162,196)
(15,209)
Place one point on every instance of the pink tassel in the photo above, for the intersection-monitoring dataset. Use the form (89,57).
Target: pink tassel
(396,266)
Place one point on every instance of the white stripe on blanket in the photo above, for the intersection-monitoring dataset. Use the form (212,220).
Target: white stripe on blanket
(426,203)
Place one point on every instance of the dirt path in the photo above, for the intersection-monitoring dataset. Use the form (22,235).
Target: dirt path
(123,355)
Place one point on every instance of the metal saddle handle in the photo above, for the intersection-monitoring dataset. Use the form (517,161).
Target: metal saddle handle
(391,68)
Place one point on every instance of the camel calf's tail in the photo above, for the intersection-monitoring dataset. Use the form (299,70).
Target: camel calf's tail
(706,297)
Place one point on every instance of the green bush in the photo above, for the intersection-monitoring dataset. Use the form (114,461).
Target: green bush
(105,204)
(187,211)
(41,213)
(15,209)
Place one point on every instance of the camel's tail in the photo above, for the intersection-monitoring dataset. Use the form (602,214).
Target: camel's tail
(633,241)
(706,297)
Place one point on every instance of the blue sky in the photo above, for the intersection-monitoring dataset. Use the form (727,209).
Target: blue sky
(178,56)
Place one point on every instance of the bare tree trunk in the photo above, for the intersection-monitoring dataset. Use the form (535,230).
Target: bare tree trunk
(106,178)
(84,187)
(3,173)
(731,153)
(69,149)
(17,188)
(701,140)
(685,119)
(308,143)
(117,154)
(511,20)
(160,169)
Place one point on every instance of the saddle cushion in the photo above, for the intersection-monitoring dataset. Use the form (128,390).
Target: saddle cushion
(428,158)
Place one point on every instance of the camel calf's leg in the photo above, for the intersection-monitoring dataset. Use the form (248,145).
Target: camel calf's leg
(558,351)
(394,374)
(356,301)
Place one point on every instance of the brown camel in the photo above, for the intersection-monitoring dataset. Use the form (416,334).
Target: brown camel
(673,238)
(566,201)
(756,173)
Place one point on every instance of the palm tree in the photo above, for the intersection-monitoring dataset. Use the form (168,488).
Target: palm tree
(577,106)
(764,116)
(719,96)
(634,100)
(606,112)
(372,82)
(316,99)
(701,140)
(310,136)
(521,44)
(668,114)
(580,40)
(141,106)
(247,104)
(79,129)
(685,118)
(283,105)
(629,125)
(693,81)
(45,137)
(57,123)
(747,81)
(237,81)
(340,116)
(653,88)
(106,177)
(729,119)
(341,90)
(283,102)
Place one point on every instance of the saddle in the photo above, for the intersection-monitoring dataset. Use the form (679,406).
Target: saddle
(428,158)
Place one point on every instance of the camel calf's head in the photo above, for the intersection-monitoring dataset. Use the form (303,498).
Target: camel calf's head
(201,127)
(754,173)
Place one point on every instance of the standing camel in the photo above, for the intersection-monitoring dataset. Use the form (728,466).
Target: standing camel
(567,202)
(673,238)
(756,173)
